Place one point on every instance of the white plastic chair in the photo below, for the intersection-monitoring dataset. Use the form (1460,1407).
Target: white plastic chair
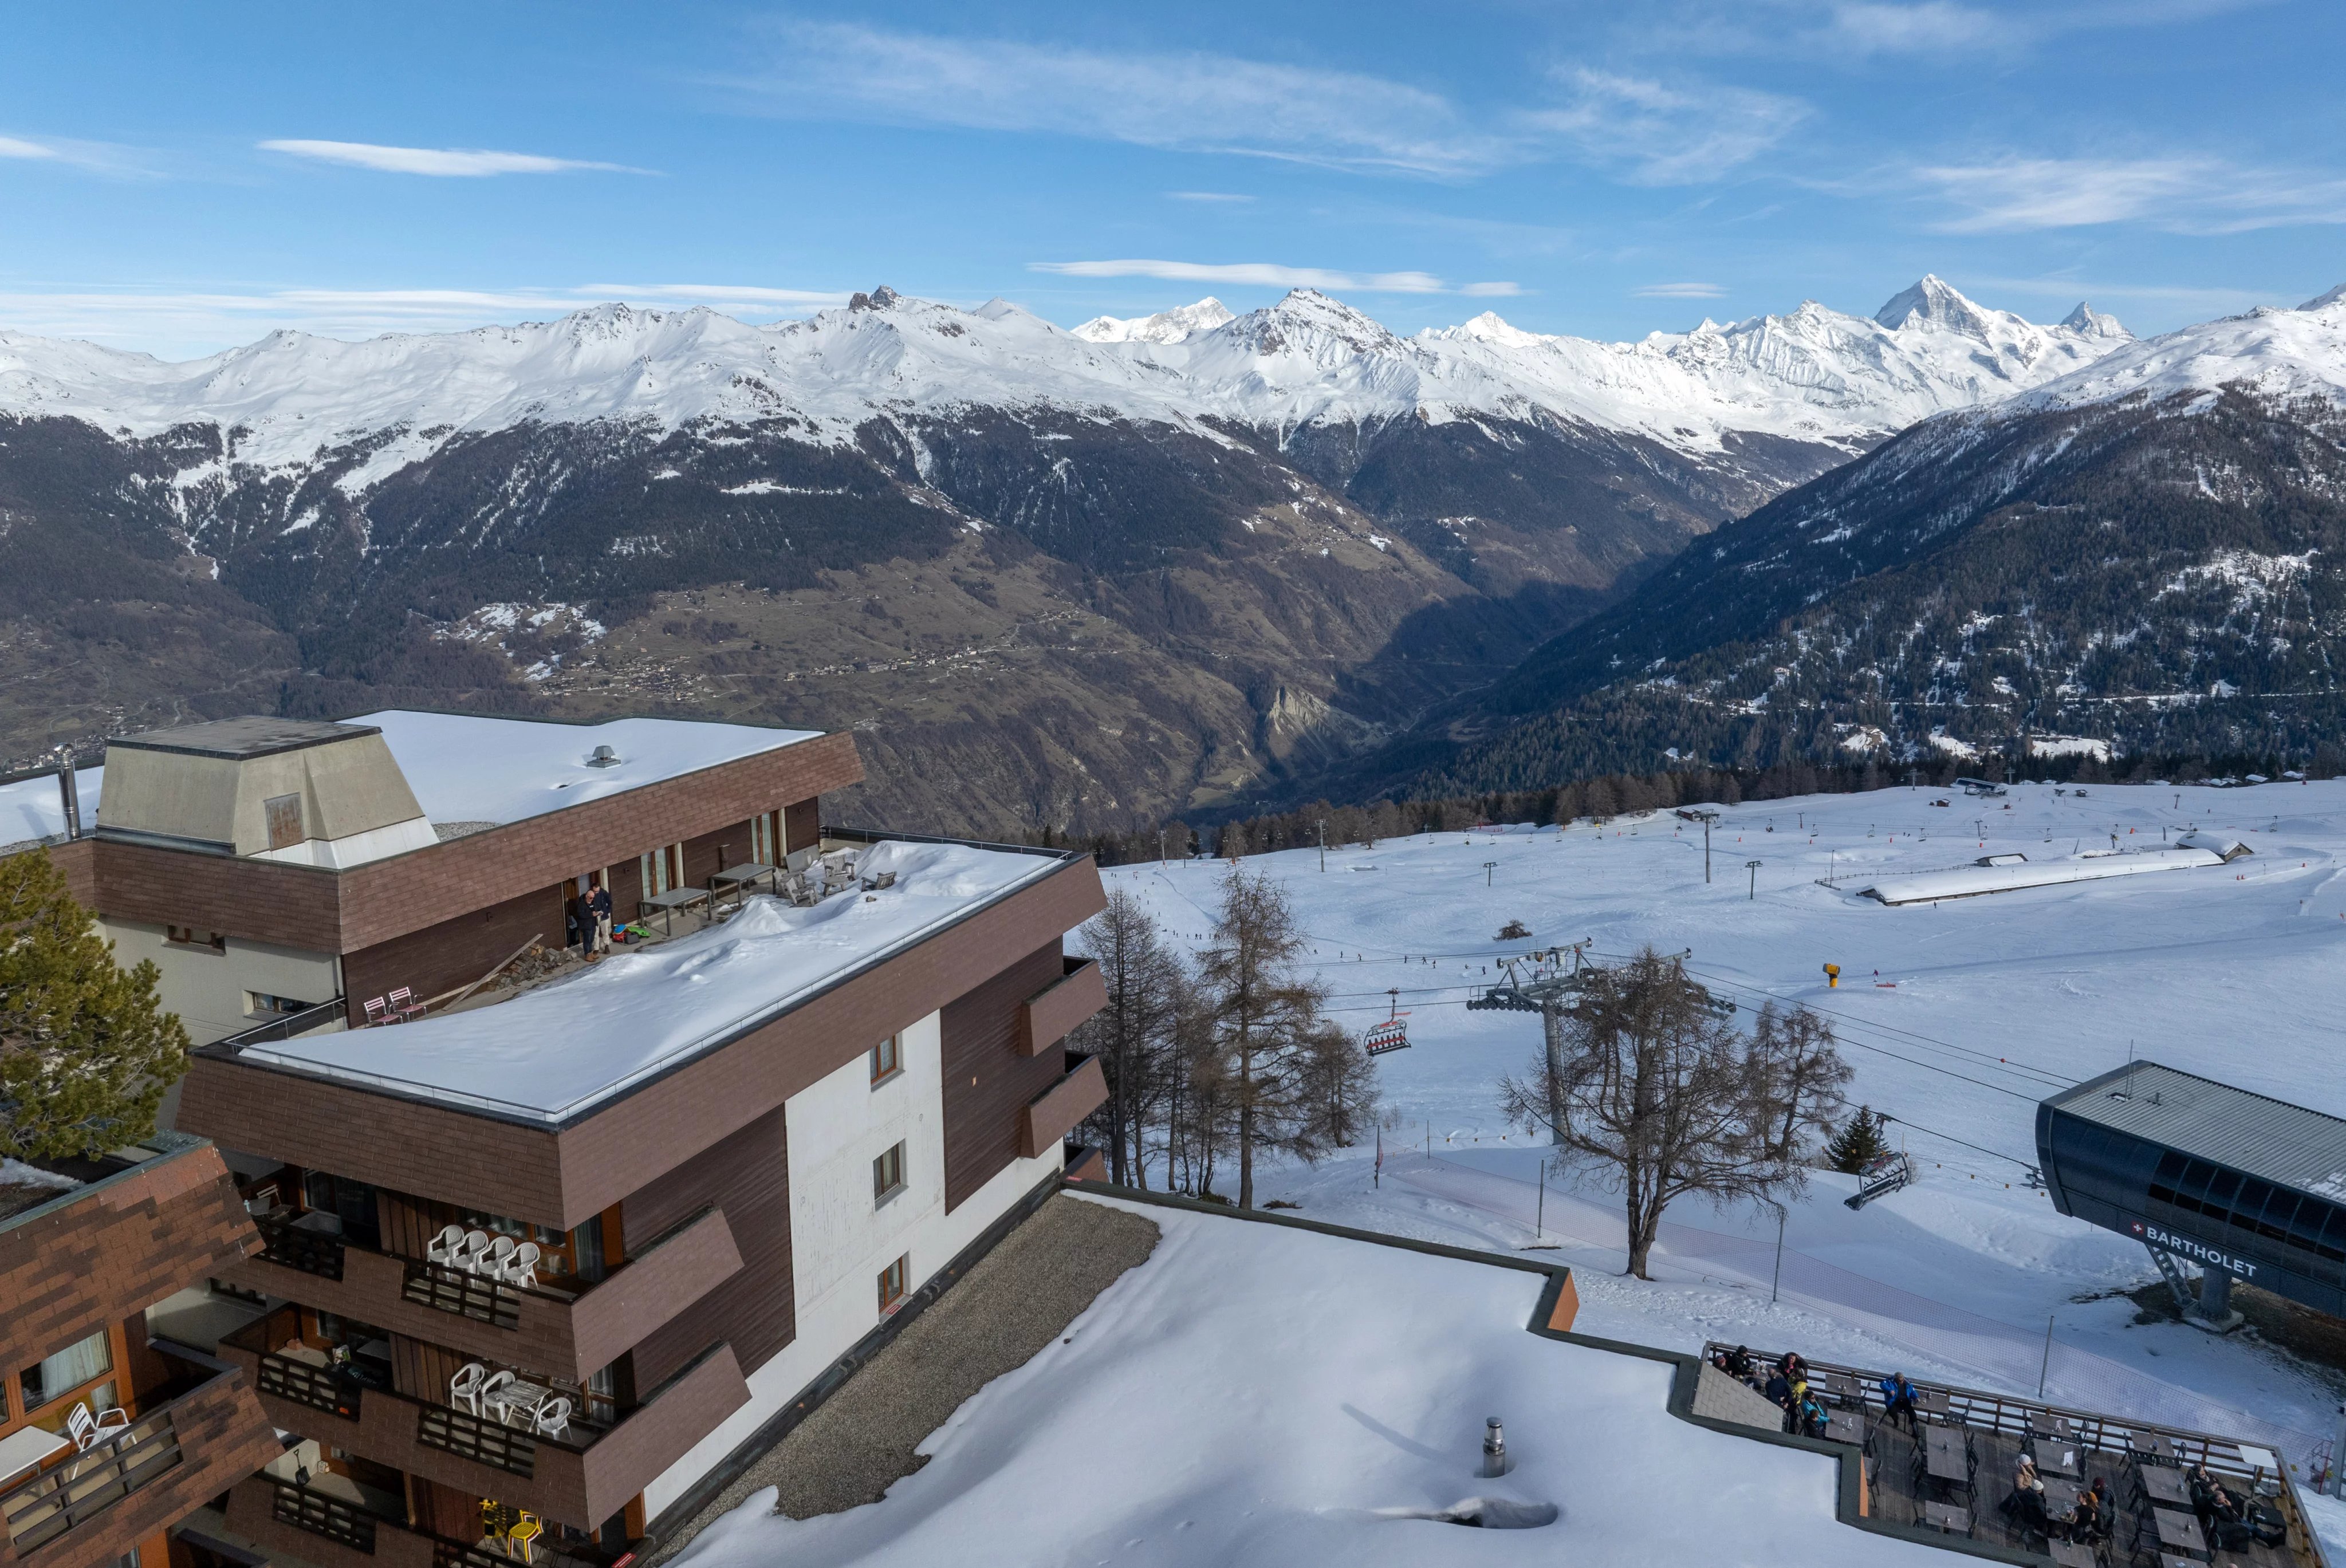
(489,1400)
(82,1427)
(520,1268)
(443,1249)
(464,1388)
(468,1252)
(110,1421)
(494,1265)
(553,1418)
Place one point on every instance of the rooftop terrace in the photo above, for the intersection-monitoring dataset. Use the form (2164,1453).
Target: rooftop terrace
(552,1053)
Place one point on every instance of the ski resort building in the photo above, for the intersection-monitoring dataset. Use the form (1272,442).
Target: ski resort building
(535,1257)
(2236,1185)
(115,1426)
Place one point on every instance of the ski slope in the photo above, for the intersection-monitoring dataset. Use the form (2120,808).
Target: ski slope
(1958,1017)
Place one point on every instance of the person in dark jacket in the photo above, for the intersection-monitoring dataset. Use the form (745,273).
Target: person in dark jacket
(599,909)
(1778,1390)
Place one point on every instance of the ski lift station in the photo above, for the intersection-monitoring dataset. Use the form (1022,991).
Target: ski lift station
(2241,1186)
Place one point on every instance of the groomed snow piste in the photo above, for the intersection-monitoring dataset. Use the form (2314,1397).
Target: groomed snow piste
(552,1053)
(1256,1395)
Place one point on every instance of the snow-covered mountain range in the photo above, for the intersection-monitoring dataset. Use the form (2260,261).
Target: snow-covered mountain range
(1814,375)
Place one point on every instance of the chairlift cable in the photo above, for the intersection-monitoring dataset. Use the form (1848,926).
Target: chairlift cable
(1950,1138)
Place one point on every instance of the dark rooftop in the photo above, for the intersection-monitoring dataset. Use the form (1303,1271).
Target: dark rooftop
(238,739)
(2263,1137)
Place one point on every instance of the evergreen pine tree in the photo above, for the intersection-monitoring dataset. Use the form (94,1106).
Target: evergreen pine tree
(85,1054)
(1861,1139)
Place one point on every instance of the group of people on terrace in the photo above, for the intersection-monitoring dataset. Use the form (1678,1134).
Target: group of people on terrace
(2089,1520)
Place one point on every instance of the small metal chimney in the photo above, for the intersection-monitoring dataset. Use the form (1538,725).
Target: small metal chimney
(1495,1448)
(604,757)
(69,794)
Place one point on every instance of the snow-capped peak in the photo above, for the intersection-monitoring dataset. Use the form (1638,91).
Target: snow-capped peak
(2087,322)
(1935,303)
(2273,353)
(1490,327)
(2335,296)
(1165,327)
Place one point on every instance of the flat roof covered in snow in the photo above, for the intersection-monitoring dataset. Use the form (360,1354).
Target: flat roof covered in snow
(2257,1135)
(552,1054)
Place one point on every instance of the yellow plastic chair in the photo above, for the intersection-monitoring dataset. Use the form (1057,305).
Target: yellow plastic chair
(524,1534)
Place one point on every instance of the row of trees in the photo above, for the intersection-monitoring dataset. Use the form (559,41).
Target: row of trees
(1215,1061)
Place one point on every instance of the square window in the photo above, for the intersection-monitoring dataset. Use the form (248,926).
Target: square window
(887,1058)
(888,1175)
(892,1284)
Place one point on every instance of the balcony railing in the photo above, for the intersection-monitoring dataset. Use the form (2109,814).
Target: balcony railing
(482,1439)
(41,1510)
(452,1290)
(319,1514)
(320,1387)
(573,1333)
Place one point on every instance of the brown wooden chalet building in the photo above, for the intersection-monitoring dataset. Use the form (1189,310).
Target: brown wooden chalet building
(112,1433)
(531,1270)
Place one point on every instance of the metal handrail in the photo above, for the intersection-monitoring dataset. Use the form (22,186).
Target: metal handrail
(292,1023)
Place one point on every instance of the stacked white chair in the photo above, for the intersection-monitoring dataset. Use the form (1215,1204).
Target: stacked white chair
(443,1248)
(494,1265)
(490,1401)
(520,1268)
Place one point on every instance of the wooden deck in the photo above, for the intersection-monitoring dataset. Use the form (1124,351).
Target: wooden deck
(1981,1436)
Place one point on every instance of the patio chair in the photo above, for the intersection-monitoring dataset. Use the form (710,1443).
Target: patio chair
(403,1003)
(520,1268)
(377,1012)
(442,1247)
(493,1263)
(464,1388)
(468,1253)
(553,1418)
(489,1400)
(523,1532)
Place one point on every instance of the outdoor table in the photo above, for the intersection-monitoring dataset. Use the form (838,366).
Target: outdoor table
(1842,1386)
(2074,1555)
(739,878)
(1845,1426)
(2181,1532)
(2046,1424)
(1945,1456)
(1947,1517)
(520,1396)
(1931,1401)
(24,1450)
(669,902)
(2165,1484)
(2055,1458)
(2150,1445)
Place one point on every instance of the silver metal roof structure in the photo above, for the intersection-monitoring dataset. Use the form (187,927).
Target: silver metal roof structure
(2270,1139)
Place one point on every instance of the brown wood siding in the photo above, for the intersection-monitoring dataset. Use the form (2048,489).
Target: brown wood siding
(455,953)
(748,1177)
(987,1082)
(444,1510)
(560,1179)
(349,912)
(801,825)
(116,1251)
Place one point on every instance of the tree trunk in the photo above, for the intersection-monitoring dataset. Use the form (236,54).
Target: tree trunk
(1246,1130)
(1551,1029)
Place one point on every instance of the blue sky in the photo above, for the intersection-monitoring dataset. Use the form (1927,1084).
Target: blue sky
(179,178)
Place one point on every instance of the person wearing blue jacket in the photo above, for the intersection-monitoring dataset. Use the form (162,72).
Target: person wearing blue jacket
(1899,1395)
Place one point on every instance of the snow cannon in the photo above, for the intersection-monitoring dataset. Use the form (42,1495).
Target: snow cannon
(1832,977)
(1496,1461)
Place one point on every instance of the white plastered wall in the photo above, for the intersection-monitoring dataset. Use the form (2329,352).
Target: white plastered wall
(208,989)
(839,1241)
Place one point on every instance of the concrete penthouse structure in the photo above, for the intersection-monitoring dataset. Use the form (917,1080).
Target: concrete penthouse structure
(539,1256)
(110,1433)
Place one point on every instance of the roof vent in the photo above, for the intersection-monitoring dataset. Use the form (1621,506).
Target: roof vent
(604,757)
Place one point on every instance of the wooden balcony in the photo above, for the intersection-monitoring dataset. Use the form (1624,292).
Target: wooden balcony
(1053,1115)
(309,1525)
(571,1334)
(94,1506)
(1052,1013)
(580,1479)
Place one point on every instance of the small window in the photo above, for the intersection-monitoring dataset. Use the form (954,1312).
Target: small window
(188,936)
(888,1175)
(892,1284)
(262,1004)
(887,1058)
(284,814)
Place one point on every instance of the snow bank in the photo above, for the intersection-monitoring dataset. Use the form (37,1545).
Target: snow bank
(1970,881)
(551,1053)
(1255,1395)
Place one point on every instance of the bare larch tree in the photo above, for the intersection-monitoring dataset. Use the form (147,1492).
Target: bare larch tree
(1642,1078)
(1135,1036)
(1263,1020)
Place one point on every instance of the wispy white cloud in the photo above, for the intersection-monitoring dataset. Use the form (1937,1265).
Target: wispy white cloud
(2191,297)
(182,324)
(1932,27)
(1678,291)
(1270,275)
(446,163)
(1190,101)
(1662,133)
(16,146)
(1206,196)
(2186,194)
